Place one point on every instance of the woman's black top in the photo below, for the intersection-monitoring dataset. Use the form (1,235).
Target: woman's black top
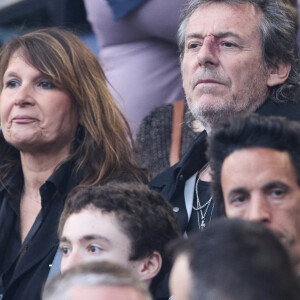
(24,267)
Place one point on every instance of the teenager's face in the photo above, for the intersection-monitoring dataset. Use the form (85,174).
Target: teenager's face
(92,235)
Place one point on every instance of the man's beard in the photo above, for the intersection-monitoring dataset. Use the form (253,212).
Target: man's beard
(211,115)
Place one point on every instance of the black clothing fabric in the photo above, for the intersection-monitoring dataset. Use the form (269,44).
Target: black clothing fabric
(171,182)
(24,266)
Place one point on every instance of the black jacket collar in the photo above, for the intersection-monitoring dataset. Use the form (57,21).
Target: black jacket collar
(194,158)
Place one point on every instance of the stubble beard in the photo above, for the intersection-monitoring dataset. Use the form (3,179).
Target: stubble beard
(223,109)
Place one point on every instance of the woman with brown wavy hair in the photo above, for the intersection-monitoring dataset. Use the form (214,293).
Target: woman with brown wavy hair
(60,128)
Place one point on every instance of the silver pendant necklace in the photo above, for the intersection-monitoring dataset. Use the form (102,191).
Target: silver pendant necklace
(202,210)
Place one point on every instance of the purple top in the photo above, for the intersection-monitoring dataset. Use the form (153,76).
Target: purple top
(122,7)
(139,54)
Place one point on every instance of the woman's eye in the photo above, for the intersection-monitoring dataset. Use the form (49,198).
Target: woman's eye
(65,250)
(45,84)
(12,83)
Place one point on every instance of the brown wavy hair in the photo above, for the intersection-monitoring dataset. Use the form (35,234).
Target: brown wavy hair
(103,145)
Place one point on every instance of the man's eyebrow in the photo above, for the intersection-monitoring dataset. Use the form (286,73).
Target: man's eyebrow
(275,184)
(228,34)
(195,35)
(86,238)
(91,237)
(64,239)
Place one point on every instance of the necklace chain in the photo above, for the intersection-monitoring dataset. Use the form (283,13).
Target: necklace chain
(200,207)
(31,198)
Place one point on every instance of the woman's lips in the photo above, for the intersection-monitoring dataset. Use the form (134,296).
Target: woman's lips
(24,119)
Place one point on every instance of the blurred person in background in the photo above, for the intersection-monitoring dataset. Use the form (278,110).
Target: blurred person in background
(60,128)
(232,260)
(95,281)
(138,52)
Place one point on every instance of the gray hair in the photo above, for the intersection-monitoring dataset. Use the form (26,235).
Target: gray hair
(92,274)
(278,31)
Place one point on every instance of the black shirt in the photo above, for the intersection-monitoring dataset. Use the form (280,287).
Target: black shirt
(22,276)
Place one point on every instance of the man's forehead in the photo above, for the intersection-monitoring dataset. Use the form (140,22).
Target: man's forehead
(269,165)
(259,153)
(218,18)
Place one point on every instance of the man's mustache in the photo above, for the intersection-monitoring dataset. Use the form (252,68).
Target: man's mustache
(209,77)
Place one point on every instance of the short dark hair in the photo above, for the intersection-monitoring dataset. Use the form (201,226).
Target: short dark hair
(251,131)
(278,32)
(92,274)
(144,215)
(237,259)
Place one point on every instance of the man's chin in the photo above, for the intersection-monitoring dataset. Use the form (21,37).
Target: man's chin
(211,116)
(207,100)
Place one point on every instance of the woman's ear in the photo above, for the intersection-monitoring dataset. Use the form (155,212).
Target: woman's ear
(278,74)
(149,267)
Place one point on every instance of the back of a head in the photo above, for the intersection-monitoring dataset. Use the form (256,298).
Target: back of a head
(236,259)
(96,274)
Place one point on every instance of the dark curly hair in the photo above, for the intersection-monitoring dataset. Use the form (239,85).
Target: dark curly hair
(144,216)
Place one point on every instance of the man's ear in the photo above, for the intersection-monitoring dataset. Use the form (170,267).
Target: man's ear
(278,74)
(149,266)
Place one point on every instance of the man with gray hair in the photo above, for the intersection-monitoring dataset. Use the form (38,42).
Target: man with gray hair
(237,57)
(97,280)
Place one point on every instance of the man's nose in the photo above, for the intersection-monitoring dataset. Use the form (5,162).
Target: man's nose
(259,209)
(73,259)
(208,54)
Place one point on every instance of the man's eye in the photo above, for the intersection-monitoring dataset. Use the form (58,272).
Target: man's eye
(194,45)
(277,193)
(228,44)
(94,249)
(238,199)
(65,250)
